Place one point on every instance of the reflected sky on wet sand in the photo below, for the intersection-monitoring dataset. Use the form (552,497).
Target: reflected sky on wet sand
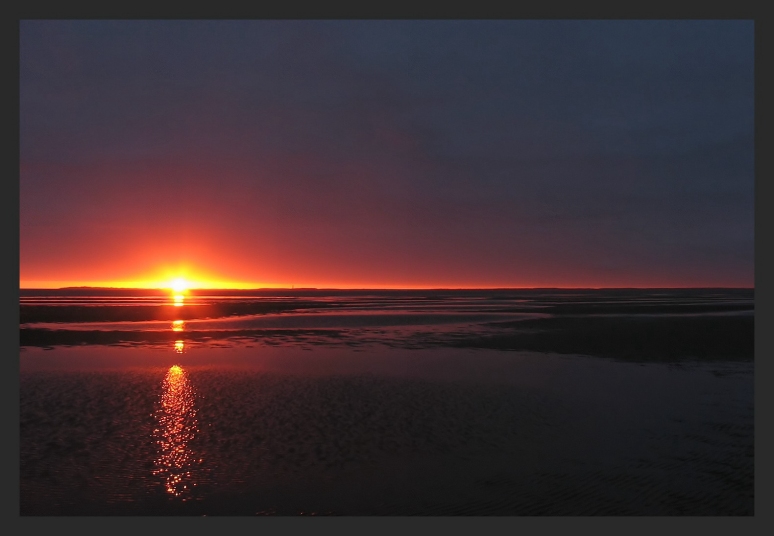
(288,425)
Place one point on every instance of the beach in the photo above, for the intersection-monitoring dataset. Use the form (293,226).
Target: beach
(389,403)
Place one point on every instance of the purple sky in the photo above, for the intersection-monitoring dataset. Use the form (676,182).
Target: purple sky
(388,153)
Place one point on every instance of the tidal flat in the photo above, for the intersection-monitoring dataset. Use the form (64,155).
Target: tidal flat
(305,402)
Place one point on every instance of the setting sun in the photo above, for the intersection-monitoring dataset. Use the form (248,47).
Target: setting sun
(179,285)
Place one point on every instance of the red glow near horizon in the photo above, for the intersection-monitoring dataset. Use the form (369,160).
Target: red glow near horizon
(178,299)
(218,250)
(306,266)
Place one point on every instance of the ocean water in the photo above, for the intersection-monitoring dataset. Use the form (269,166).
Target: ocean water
(310,402)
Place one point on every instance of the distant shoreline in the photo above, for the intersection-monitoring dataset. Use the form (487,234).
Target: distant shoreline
(378,289)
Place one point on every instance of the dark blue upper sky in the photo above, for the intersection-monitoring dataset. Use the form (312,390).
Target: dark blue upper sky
(440,153)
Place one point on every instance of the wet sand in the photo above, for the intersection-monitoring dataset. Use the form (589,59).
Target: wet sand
(397,404)
(429,432)
(635,325)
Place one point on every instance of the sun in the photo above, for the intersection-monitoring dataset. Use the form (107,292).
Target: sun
(179,288)
(179,285)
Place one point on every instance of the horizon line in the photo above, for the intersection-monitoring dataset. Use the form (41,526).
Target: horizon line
(91,287)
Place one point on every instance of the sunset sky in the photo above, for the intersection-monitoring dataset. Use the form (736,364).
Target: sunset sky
(387,153)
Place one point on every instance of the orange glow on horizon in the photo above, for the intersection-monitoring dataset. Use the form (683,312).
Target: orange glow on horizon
(224,285)
(180,281)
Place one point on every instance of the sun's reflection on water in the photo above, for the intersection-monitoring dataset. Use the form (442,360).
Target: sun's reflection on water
(176,426)
(179,346)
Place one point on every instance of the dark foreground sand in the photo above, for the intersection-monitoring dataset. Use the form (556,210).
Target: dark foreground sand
(501,402)
(381,431)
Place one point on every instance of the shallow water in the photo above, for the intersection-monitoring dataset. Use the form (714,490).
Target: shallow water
(287,424)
